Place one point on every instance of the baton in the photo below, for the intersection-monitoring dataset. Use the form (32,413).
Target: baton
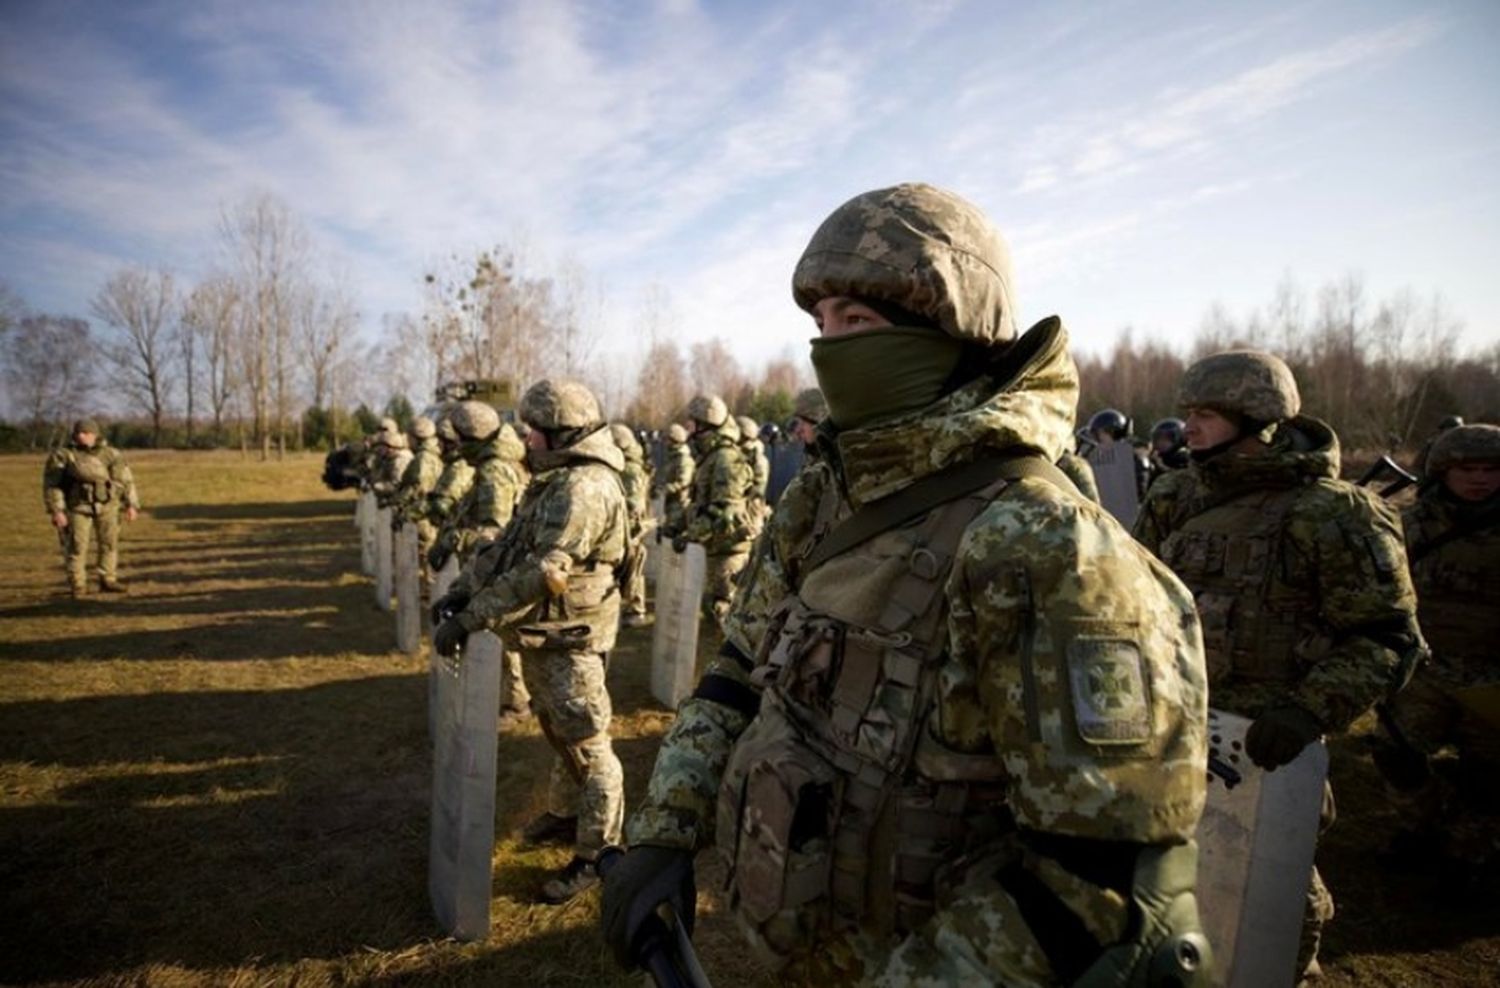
(662,945)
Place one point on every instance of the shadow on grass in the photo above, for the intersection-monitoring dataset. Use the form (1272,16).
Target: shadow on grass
(258,511)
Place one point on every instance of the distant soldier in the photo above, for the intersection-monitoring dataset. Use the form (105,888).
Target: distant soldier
(552,582)
(720,517)
(85,484)
(489,446)
(754,450)
(1448,422)
(637,483)
(808,411)
(674,482)
(417,481)
(1169,450)
(1109,426)
(391,460)
(1448,796)
(1308,613)
(452,484)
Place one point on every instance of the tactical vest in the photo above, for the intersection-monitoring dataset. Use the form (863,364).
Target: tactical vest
(88,480)
(837,808)
(1259,619)
(1458,601)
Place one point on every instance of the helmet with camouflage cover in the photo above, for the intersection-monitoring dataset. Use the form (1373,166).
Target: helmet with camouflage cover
(474,420)
(1464,444)
(423,428)
(810,405)
(708,409)
(562,405)
(1252,383)
(89,425)
(676,434)
(921,248)
(390,435)
(623,437)
(748,428)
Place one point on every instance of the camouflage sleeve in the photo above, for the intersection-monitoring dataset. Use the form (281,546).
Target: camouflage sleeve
(126,479)
(497,489)
(569,521)
(720,520)
(1352,542)
(53,499)
(1153,523)
(1077,659)
(1077,469)
(454,482)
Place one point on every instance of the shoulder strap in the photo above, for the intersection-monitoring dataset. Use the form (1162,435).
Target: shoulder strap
(948,484)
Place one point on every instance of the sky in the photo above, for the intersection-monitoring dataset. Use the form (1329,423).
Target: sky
(1143,160)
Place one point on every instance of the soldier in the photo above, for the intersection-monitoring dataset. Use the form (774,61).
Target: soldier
(1446,423)
(1447,795)
(808,411)
(452,484)
(674,484)
(1168,447)
(720,516)
(956,734)
(1300,578)
(417,482)
(84,486)
(754,450)
(553,582)
(391,460)
(636,482)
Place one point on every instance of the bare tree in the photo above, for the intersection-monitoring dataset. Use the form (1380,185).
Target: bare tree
(139,306)
(47,365)
(662,389)
(211,314)
(325,323)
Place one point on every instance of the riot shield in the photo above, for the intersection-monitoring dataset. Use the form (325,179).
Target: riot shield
(467,701)
(359,512)
(674,647)
(366,514)
(653,545)
(408,591)
(786,460)
(442,581)
(1114,471)
(385,577)
(1255,855)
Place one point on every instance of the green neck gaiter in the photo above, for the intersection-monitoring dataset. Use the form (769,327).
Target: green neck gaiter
(883,373)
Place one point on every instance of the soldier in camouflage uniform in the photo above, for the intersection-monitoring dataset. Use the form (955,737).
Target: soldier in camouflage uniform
(85,484)
(1448,758)
(446,495)
(637,485)
(956,734)
(392,457)
(808,412)
(417,482)
(552,582)
(1300,578)
(674,484)
(720,516)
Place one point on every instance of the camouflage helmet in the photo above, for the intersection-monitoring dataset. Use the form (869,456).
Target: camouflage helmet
(676,434)
(422,427)
(810,405)
(558,405)
(389,424)
(474,420)
(1464,444)
(748,428)
(623,437)
(918,247)
(89,425)
(708,409)
(445,430)
(1252,383)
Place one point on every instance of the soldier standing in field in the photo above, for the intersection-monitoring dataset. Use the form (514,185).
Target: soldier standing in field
(720,516)
(552,582)
(391,460)
(1308,613)
(1445,756)
(674,483)
(956,734)
(85,487)
(637,484)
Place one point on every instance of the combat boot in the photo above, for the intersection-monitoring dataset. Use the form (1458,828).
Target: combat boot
(550,829)
(636,620)
(111,585)
(578,876)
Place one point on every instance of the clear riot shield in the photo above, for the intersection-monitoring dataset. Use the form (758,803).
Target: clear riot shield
(674,647)
(359,512)
(385,577)
(408,591)
(1114,472)
(466,702)
(1255,855)
(442,580)
(654,547)
(366,514)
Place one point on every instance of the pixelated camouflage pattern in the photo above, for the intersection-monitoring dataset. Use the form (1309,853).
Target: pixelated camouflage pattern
(1326,571)
(452,484)
(709,409)
(811,405)
(571,528)
(560,404)
(919,247)
(1457,583)
(93,479)
(760,464)
(1253,383)
(719,516)
(499,480)
(674,485)
(637,483)
(1077,469)
(1464,444)
(389,466)
(419,479)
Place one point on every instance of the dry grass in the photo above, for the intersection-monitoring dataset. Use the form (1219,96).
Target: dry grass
(223,778)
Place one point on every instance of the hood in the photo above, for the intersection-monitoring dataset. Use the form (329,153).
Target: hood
(719,437)
(1303,449)
(596,447)
(1026,401)
(428,445)
(505,446)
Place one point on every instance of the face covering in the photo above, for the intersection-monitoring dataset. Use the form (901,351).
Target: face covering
(883,373)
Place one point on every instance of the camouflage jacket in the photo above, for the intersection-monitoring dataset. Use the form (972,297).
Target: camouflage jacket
(637,484)
(674,485)
(452,484)
(1042,580)
(1300,578)
(720,516)
(500,478)
(76,478)
(760,466)
(385,479)
(418,480)
(551,578)
(1457,581)
(1081,474)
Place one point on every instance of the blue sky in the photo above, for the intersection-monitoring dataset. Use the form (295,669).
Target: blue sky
(1143,159)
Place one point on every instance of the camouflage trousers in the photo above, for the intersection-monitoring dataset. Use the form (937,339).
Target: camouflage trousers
(572,705)
(633,581)
(720,575)
(104,529)
(513,692)
(1318,908)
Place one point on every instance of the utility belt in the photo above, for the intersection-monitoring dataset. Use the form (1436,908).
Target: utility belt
(581,617)
(86,493)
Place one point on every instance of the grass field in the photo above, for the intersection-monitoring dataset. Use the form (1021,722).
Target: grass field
(223,777)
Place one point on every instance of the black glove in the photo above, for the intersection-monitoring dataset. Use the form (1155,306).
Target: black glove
(644,878)
(448,605)
(449,638)
(1279,735)
(437,556)
(679,544)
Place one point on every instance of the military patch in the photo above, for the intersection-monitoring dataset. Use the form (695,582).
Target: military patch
(1109,691)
